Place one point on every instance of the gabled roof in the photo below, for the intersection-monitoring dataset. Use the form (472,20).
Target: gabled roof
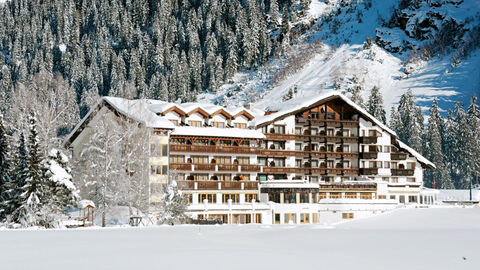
(294,106)
(137,110)
(198,110)
(174,108)
(244,113)
(218,132)
(223,112)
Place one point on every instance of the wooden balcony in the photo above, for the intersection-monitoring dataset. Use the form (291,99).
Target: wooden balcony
(217,185)
(279,153)
(285,170)
(368,140)
(347,187)
(369,171)
(227,167)
(350,171)
(368,155)
(398,156)
(280,137)
(181,167)
(249,168)
(204,167)
(214,149)
(402,172)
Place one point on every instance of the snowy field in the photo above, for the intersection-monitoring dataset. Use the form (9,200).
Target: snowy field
(441,238)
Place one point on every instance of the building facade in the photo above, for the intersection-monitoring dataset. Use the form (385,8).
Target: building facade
(302,161)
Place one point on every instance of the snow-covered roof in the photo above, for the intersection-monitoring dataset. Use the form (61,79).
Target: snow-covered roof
(139,111)
(300,104)
(158,107)
(84,203)
(417,155)
(218,132)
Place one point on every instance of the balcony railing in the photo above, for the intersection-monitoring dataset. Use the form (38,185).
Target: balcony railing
(214,149)
(280,137)
(217,185)
(228,167)
(368,155)
(249,168)
(398,156)
(347,187)
(369,171)
(402,172)
(368,140)
(214,167)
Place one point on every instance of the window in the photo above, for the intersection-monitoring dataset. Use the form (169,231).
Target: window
(164,150)
(279,129)
(379,148)
(412,199)
(290,218)
(177,159)
(224,160)
(382,197)
(210,197)
(243,160)
(189,198)
(160,170)
(200,176)
(304,218)
(346,148)
(322,195)
(290,197)
(298,131)
(335,195)
(219,124)
(350,195)
(250,197)
(193,123)
(411,180)
(385,179)
(379,164)
(401,198)
(410,165)
(234,197)
(393,197)
(347,215)
(330,132)
(394,165)
(366,196)
(331,115)
(277,218)
(241,125)
(200,159)
(346,133)
(274,197)
(346,164)
(386,164)
(330,163)
(224,177)
(386,149)
(298,163)
(371,133)
(304,197)
(174,122)
(394,180)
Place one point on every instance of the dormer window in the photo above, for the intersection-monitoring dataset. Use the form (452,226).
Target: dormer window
(193,123)
(241,125)
(174,122)
(219,124)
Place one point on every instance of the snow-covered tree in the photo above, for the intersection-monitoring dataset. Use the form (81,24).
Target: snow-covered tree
(434,152)
(98,167)
(411,117)
(174,204)
(357,92)
(29,213)
(375,105)
(5,169)
(473,138)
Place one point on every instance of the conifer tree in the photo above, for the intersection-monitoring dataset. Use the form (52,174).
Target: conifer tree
(174,204)
(412,121)
(473,138)
(434,152)
(375,105)
(5,170)
(29,213)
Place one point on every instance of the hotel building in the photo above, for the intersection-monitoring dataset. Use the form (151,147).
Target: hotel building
(311,161)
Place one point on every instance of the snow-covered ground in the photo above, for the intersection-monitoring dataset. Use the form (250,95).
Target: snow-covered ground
(438,238)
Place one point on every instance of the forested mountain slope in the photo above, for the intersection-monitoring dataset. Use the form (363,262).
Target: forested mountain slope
(431,47)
